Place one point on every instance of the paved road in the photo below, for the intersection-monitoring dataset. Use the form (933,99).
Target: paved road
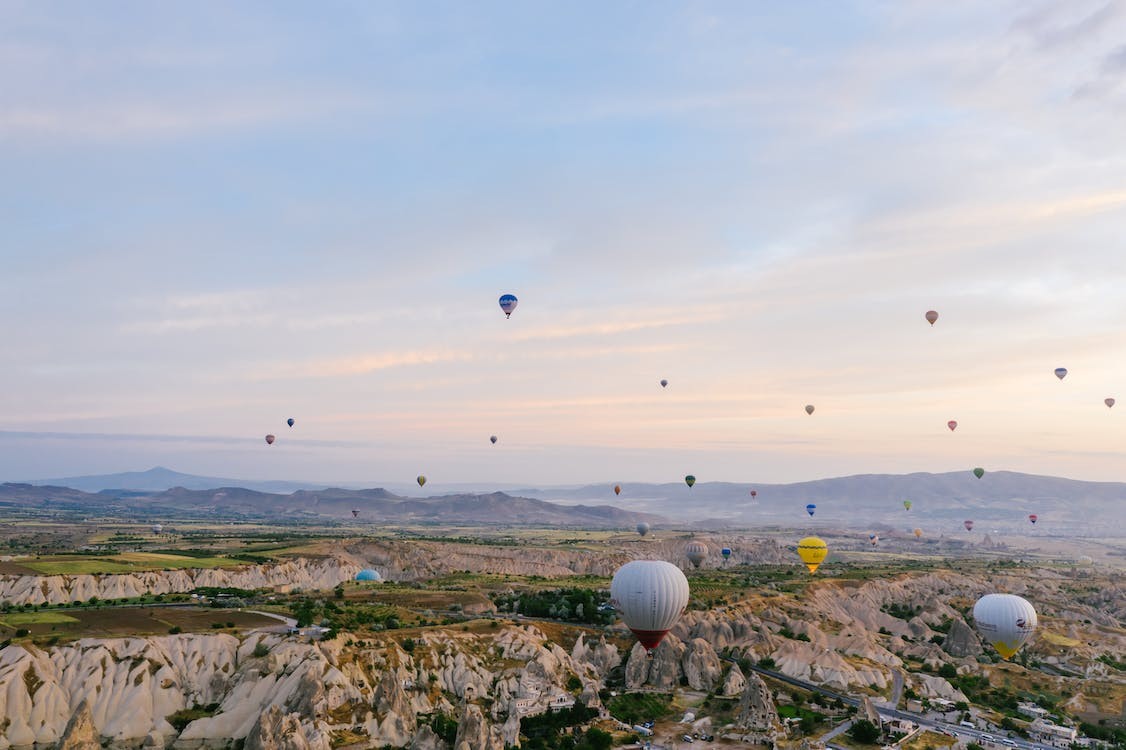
(896,686)
(838,729)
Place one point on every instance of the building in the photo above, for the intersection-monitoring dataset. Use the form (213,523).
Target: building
(1052,733)
(1032,711)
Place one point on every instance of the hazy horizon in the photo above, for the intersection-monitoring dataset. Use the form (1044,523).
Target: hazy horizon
(218,220)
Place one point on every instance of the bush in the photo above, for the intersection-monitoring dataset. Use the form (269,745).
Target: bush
(261,649)
(767,663)
(175,630)
(864,732)
(21,632)
(948,671)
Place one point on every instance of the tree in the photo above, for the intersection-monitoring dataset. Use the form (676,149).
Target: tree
(864,732)
(948,671)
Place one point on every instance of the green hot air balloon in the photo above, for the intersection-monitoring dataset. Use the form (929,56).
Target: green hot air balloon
(907,505)
(690,480)
(979,472)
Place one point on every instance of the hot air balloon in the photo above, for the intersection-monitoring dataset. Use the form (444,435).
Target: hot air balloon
(969,525)
(1032,517)
(907,505)
(754,494)
(493,439)
(952,424)
(812,552)
(157,528)
(664,383)
(726,552)
(810,509)
(918,533)
(650,595)
(290,421)
(642,528)
(1004,621)
(979,472)
(932,316)
(508,304)
(270,439)
(696,552)
(874,539)
(1085,560)
(690,480)
(809,408)
(355,513)
(421,480)
(1109,402)
(368,574)
(1061,372)
(617,489)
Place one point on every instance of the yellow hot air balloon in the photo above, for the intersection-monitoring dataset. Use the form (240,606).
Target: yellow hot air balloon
(812,551)
(918,533)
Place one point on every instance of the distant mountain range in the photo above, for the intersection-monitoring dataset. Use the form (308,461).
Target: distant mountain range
(940,502)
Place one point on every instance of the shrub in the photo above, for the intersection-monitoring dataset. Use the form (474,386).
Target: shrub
(864,732)
(175,630)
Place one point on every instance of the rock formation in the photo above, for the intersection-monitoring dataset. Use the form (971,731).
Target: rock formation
(961,641)
(80,733)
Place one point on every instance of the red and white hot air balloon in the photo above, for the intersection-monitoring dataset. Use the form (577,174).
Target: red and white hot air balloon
(1033,518)
(650,595)
(952,424)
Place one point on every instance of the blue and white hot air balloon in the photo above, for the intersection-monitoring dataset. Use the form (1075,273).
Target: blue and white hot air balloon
(1061,372)
(508,304)
(810,508)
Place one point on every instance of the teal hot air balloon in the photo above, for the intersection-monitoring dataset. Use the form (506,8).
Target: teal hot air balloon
(811,509)
(690,480)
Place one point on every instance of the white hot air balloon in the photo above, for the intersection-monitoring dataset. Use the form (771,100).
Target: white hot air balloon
(696,552)
(1005,621)
(650,595)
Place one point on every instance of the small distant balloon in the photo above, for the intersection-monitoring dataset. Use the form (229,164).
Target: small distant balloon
(809,408)
(696,552)
(1033,518)
(1061,372)
(617,489)
(979,472)
(726,552)
(907,505)
(508,304)
(1109,402)
(642,528)
(918,533)
(421,480)
(952,424)
(355,513)
(754,493)
(811,509)
(932,316)
(690,480)
(493,439)
(290,421)
(664,383)
(969,525)
(270,439)
(874,539)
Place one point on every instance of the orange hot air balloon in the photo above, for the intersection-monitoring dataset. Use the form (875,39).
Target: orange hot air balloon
(952,424)
(918,533)
(617,489)
(931,316)
(270,439)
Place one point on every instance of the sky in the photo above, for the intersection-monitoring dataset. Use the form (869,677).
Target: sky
(215,217)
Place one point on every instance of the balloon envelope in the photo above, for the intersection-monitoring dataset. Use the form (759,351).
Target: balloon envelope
(290,421)
(1033,517)
(1109,402)
(696,552)
(952,424)
(368,574)
(1061,372)
(664,383)
(650,595)
(754,493)
(421,480)
(809,408)
(812,551)
(617,489)
(157,528)
(810,509)
(355,513)
(918,533)
(969,525)
(873,538)
(270,439)
(508,303)
(726,552)
(1004,621)
(493,439)
(907,504)
(690,480)
(643,528)
(932,316)
(979,472)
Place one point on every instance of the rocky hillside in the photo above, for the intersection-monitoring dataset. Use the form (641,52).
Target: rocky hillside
(288,575)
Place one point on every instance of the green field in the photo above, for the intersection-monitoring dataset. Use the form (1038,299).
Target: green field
(129,562)
(23,619)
